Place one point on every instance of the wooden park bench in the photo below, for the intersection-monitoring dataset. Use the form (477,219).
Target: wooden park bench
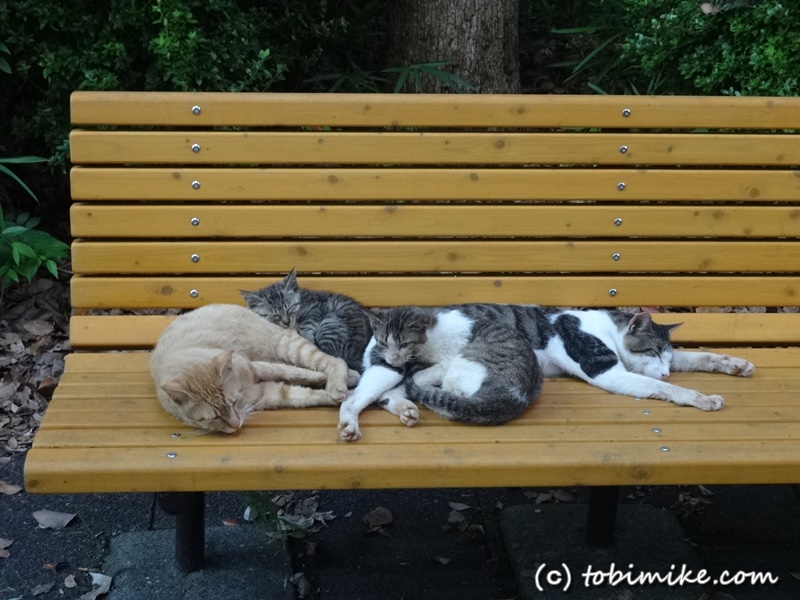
(183,199)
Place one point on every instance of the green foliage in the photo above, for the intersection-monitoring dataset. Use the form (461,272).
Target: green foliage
(57,47)
(18,160)
(24,249)
(359,80)
(722,47)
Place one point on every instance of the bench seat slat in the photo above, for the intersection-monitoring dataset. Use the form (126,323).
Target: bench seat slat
(411,110)
(435,256)
(256,221)
(134,147)
(697,328)
(350,184)
(66,470)
(175,292)
(119,362)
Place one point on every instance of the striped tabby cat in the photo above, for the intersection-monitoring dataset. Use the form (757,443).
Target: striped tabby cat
(337,324)
(215,365)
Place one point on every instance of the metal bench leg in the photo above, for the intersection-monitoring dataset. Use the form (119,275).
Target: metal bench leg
(190,533)
(602,515)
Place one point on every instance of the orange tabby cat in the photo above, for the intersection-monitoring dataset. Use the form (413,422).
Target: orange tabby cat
(215,365)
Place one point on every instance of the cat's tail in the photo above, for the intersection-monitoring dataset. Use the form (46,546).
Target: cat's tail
(482,408)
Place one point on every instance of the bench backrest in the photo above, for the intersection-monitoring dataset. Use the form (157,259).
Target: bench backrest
(182,199)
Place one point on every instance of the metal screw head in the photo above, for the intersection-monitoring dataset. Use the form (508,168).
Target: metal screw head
(195,258)
(617,221)
(176,435)
(195,148)
(623,149)
(621,186)
(612,292)
(196,110)
(626,112)
(171,454)
(194,293)
(615,256)
(645,412)
(194,221)
(656,430)
(195,185)
(664,448)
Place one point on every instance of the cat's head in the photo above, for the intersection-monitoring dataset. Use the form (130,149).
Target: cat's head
(215,395)
(400,333)
(277,303)
(649,350)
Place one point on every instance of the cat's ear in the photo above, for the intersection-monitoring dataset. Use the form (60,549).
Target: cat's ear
(176,390)
(639,321)
(222,363)
(252,298)
(672,326)
(376,317)
(290,281)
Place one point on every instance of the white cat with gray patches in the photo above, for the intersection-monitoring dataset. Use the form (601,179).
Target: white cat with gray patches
(463,368)
(620,352)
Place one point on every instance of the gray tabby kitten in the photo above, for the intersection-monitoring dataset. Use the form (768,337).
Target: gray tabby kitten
(335,323)
(463,368)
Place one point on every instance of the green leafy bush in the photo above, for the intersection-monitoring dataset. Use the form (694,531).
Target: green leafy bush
(718,47)
(25,249)
(57,47)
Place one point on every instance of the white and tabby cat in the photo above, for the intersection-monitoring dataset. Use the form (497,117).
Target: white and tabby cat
(620,352)
(463,368)
(215,365)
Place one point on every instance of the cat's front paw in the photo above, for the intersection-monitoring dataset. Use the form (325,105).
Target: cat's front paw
(713,402)
(353,377)
(739,366)
(349,431)
(409,414)
(337,383)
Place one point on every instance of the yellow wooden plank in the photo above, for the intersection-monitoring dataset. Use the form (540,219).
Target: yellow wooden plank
(454,256)
(613,290)
(281,220)
(116,362)
(249,147)
(698,328)
(436,110)
(265,437)
(286,184)
(364,465)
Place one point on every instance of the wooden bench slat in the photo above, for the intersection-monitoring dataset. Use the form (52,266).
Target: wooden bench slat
(350,184)
(176,292)
(431,110)
(769,328)
(426,432)
(248,147)
(434,256)
(117,362)
(66,470)
(263,221)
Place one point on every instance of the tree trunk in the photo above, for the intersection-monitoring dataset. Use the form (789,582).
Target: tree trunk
(478,37)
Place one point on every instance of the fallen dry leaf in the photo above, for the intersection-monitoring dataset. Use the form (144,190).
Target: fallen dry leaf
(303,584)
(42,589)
(563,496)
(229,522)
(70,582)
(4,544)
(442,560)
(459,506)
(101,584)
(49,519)
(377,518)
(9,489)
